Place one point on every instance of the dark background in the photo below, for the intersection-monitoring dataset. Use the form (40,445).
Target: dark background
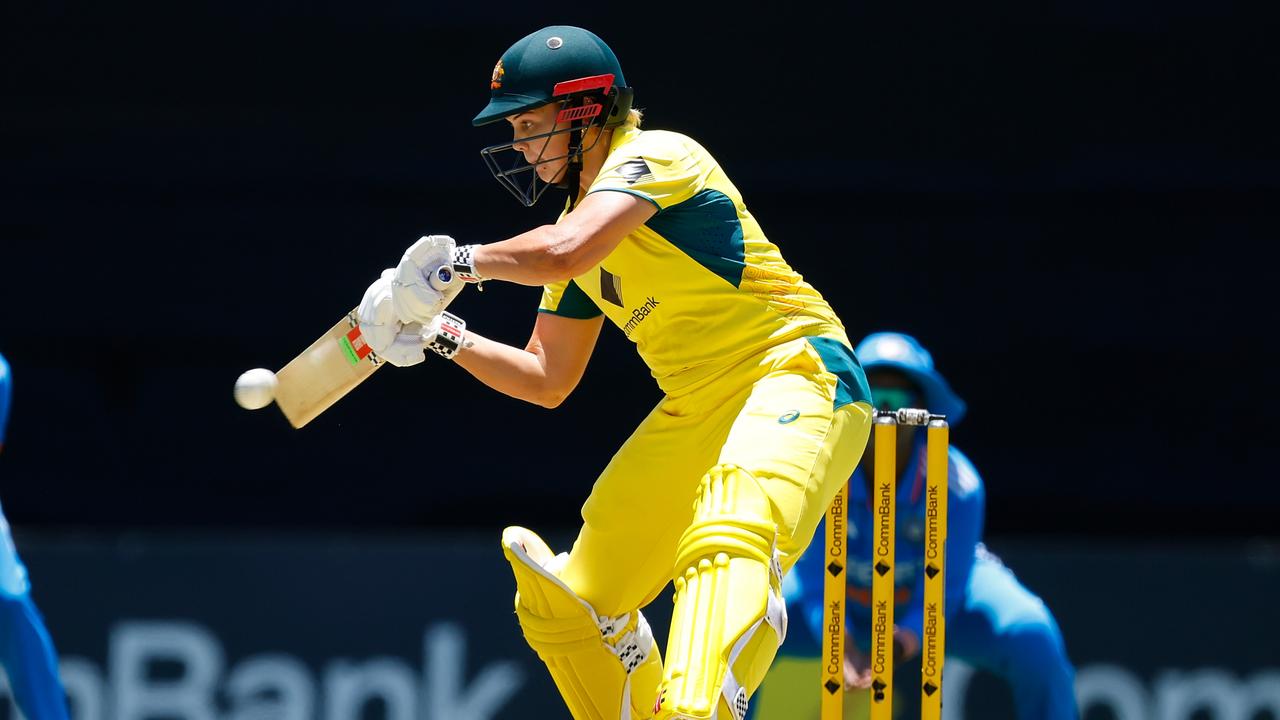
(1064,201)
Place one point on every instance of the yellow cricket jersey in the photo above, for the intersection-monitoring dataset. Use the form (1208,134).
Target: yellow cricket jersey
(698,287)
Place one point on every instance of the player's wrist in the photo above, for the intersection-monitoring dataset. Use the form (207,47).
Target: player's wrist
(449,336)
(464,265)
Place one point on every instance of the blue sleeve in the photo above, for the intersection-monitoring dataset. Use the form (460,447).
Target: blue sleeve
(5,395)
(802,587)
(30,660)
(966,508)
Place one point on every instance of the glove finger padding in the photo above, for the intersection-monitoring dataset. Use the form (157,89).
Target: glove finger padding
(415,297)
(406,349)
(378,321)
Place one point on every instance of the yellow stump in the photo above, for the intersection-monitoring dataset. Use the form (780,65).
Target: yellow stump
(933,642)
(884,512)
(833,595)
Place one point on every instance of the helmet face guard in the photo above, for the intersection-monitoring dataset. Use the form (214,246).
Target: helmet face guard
(579,109)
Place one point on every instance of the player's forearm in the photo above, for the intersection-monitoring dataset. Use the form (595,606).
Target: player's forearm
(544,255)
(509,370)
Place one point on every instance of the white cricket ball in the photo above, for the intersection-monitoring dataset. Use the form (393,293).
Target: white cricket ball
(255,388)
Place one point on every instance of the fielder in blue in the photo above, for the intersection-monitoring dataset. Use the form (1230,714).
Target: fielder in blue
(26,650)
(994,623)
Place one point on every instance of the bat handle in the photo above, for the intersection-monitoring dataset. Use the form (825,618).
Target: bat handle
(442,278)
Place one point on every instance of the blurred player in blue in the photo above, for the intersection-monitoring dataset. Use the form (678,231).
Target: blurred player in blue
(994,623)
(26,651)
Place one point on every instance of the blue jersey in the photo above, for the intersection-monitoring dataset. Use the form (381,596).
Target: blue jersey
(5,394)
(993,622)
(27,653)
(965,511)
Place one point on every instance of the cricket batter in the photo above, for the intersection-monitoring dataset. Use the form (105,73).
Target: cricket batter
(994,622)
(26,650)
(766,409)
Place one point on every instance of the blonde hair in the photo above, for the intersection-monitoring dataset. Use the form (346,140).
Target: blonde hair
(634,116)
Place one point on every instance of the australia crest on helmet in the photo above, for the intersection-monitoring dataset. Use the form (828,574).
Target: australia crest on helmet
(495,83)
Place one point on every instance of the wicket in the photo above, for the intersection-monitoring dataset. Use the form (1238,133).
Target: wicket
(884,512)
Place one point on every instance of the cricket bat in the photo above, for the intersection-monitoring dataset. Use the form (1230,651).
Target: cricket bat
(312,382)
(337,362)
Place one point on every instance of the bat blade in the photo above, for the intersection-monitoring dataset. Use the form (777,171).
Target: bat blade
(334,364)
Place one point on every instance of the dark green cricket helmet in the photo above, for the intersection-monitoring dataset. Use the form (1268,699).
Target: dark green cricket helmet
(560,62)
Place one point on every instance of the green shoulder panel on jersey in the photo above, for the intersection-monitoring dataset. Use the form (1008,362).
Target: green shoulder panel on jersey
(574,304)
(707,229)
(851,381)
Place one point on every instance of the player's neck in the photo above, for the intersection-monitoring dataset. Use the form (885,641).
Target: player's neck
(593,160)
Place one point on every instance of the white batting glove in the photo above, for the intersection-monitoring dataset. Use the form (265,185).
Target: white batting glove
(444,335)
(376,314)
(407,348)
(391,340)
(424,282)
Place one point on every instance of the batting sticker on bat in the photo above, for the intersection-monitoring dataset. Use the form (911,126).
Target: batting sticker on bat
(354,346)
